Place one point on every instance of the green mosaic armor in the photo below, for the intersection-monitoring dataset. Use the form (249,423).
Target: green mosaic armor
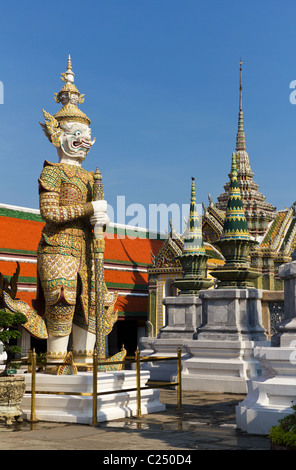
(65,254)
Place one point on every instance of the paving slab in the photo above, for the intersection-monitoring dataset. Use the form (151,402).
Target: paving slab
(205,422)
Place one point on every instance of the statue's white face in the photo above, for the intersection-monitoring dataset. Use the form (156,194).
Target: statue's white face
(75,140)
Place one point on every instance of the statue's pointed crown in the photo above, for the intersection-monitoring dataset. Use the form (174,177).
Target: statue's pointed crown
(69,96)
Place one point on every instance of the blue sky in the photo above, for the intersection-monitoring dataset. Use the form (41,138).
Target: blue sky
(161,81)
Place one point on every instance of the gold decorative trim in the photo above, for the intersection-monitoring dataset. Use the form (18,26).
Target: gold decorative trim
(66,368)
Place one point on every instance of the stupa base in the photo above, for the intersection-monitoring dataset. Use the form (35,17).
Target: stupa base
(192,287)
(236,278)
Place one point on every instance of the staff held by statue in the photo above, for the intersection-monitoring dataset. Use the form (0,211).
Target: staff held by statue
(99,248)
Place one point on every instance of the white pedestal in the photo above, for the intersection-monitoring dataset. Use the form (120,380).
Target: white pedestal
(219,366)
(220,359)
(213,366)
(269,397)
(78,409)
(167,347)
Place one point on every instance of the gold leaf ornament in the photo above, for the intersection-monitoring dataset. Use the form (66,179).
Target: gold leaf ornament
(81,98)
(51,129)
(56,98)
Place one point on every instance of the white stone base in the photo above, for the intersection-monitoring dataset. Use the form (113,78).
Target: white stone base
(270,397)
(78,409)
(219,366)
(156,347)
(212,366)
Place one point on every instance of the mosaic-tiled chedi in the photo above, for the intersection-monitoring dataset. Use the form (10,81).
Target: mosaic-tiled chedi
(275,231)
(235,242)
(193,258)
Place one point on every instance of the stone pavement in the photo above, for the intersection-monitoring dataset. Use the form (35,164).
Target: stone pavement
(206,422)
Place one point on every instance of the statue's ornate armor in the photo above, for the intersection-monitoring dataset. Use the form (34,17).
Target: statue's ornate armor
(65,253)
(70,255)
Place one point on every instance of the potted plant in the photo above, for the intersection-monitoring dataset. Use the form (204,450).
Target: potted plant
(283,435)
(12,387)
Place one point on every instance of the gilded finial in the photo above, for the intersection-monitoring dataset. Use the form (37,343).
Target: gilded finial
(98,186)
(240,138)
(98,175)
(68,76)
(69,66)
(240,86)
(193,198)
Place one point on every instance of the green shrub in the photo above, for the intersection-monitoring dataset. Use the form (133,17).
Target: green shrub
(284,433)
(9,333)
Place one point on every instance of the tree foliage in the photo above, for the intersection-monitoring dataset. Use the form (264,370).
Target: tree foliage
(9,333)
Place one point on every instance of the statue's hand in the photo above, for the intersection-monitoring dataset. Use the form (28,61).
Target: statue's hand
(100,217)
(99,206)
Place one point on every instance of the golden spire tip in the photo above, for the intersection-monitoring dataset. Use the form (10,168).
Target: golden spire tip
(69,66)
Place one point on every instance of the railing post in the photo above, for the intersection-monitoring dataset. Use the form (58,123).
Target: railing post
(33,386)
(95,387)
(138,375)
(179,359)
(29,361)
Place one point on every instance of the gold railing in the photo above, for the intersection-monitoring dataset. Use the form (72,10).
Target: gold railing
(137,359)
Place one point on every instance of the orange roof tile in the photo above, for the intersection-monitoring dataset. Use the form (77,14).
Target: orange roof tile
(19,234)
(19,238)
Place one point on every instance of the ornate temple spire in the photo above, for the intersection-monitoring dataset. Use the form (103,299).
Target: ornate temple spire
(235,223)
(258,212)
(193,239)
(240,137)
